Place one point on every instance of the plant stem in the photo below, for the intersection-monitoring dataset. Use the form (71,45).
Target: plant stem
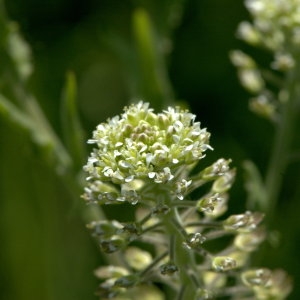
(183,258)
(282,145)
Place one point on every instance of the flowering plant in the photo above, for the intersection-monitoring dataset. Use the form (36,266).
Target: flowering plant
(149,160)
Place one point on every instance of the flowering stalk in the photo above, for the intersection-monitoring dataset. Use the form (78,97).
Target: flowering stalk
(147,160)
(275,28)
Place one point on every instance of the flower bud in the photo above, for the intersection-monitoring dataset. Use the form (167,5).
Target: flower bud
(240,258)
(126,281)
(248,33)
(246,222)
(103,229)
(115,243)
(107,272)
(168,269)
(106,290)
(131,231)
(251,80)
(263,106)
(283,62)
(224,183)
(258,277)
(249,241)
(160,209)
(215,279)
(137,259)
(208,203)
(223,263)
(195,241)
(217,169)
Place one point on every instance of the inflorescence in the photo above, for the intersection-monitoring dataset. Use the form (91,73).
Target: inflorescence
(149,160)
(276,30)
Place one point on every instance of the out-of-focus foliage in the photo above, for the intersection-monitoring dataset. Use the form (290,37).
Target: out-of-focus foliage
(46,253)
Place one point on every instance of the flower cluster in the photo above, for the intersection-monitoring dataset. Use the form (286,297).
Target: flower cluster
(147,159)
(276,25)
(276,28)
(141,146)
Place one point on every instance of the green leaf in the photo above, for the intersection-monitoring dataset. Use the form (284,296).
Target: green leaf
(40,133)
(154,83)
(14,48)
(72,130)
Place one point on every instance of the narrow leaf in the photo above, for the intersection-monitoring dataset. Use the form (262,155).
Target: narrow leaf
(72,130)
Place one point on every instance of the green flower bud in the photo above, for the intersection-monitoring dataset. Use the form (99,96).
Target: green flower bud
(246,222)
(181,187)
(249,241)
(240,257)
(168,269)
(215,279)
(248,33)
(103,229)
(224,183)
(242,60)
(110,272)
(195,241)
(258,277)
(137,258)
(130,231)
(223,263)
(126,281)
(212,203)
(106,289)
(115,243)
(217,169)
(160,209)
(283,62)
(264,106)
(251,80)
(281,284)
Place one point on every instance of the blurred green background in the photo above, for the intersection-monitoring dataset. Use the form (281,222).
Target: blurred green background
(46,252)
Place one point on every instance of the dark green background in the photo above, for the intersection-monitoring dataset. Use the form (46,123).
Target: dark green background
(46,252)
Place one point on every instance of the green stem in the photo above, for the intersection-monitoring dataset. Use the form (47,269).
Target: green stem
(153,264)
(183,258)
(282,145)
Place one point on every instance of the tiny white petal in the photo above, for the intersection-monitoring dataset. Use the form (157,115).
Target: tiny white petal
(151,174)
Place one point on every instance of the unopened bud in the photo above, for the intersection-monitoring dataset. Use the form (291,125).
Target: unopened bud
(249,241)
(107,272)
(246,222)
(168,269)
(223,263)
(258,277)
(224,183)
(160,209)
(194,241)
(115,243)
(217,169)
(137,258)
(126,281)
(263,106)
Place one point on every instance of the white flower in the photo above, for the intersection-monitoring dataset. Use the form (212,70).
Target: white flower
(142,145)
